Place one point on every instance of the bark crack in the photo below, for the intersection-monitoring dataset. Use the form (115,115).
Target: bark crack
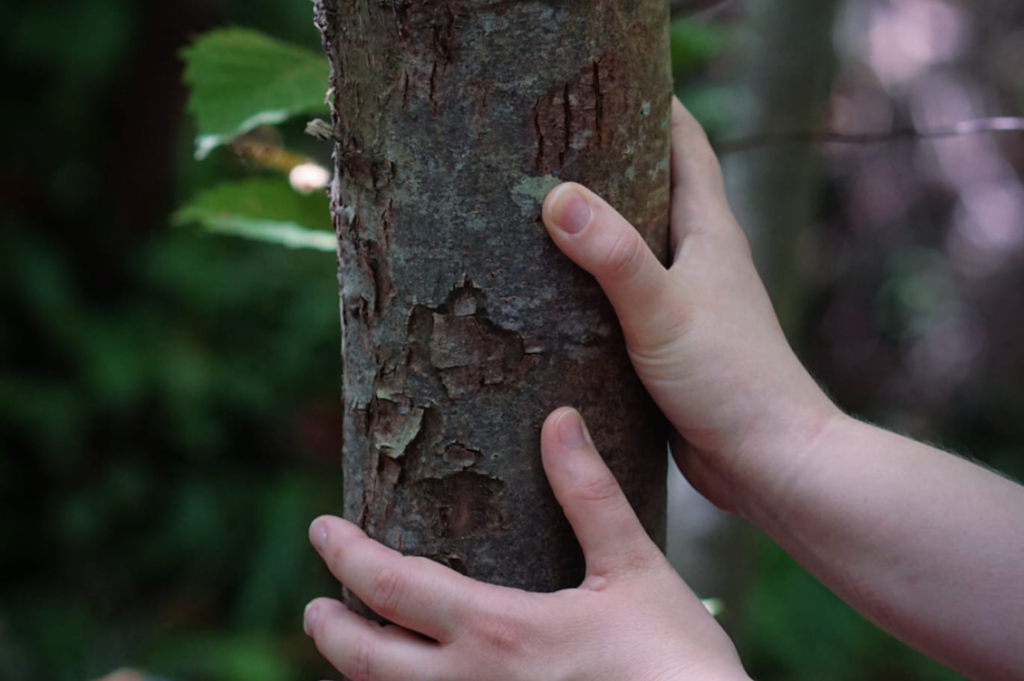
(570,119)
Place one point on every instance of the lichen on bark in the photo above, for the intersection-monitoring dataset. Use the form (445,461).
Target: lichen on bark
(463,325)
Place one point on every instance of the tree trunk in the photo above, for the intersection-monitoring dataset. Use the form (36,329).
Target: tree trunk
(462,324)
(786,66)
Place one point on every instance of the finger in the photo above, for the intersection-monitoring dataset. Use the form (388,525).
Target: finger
(612,538)
(415,593)
(602,242)
(699,200)
(361,649)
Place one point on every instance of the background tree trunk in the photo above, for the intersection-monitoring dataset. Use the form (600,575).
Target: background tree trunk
(787,61)
(463,326)
(783,82)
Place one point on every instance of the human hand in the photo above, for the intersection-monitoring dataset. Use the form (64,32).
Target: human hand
(631,618)
(702,334)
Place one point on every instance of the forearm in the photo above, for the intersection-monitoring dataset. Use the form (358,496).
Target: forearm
(928,546)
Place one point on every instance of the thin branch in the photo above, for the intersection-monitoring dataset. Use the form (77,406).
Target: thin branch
(972,127)
(698,8)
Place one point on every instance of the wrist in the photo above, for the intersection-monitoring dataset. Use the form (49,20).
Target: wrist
(784,457)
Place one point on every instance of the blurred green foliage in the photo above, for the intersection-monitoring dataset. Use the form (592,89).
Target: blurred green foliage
(695,47)
(169,400)
(795,628)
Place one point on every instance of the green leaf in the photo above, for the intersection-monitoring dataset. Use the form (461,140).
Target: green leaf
(265,210)
(242,79)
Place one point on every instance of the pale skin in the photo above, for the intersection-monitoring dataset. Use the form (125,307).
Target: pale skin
(926,545)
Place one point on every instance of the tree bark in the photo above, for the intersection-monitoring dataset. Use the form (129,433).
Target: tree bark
(463,326)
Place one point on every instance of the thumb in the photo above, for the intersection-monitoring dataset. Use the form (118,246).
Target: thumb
(598,239)
(612,538)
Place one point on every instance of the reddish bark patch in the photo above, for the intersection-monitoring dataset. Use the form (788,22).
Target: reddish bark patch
(465,504)
(570,118)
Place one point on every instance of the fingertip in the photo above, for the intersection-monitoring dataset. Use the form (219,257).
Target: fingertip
(318,533)
(309,617)
(690,140)
(317,611)
(679,112)
(568,209)
(685,125)
(549,433)
(681,115)
(339,526)
(567,448)
(560,425)
(572,432)
(551,421)
(329,527)
(552,198)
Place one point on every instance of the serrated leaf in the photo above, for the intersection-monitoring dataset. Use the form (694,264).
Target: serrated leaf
(241,79)
(264,210)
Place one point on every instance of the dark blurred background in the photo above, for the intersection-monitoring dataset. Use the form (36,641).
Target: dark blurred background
(169,400)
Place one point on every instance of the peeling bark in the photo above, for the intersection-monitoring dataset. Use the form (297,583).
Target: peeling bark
(463,325)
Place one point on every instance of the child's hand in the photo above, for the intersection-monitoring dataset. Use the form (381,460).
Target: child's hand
(702,334)
(899,530)
(632,618)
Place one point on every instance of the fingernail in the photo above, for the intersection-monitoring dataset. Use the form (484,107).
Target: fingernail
(318,535)
(309,619)
(571,212)
(571,432)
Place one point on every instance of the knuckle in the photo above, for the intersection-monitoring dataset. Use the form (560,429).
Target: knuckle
(626,258)
(335,554)
(653,340)
(387,590)
(601,490)
(364,660)
(504,634)
(642,558)
(676,316)
(473,613)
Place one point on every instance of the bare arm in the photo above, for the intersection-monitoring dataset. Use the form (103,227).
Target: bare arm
(926,545)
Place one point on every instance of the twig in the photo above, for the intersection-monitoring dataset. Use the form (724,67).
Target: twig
(972,127)
(698,8)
